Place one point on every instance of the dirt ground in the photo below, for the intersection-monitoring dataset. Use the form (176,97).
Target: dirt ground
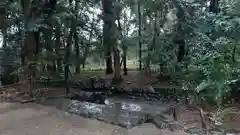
(33,119)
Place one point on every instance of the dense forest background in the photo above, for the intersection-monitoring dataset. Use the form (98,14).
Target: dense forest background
(194,42)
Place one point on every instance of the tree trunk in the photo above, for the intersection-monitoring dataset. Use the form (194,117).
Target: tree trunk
(214,6)
(86,48)
(76,39)
(140,34)
(77,70)
(58,46)
(31,43)
(180,39)
(124,47)
(107,34)
(117,74)
(125,62)
(150,48)
(48,34)
(4,30)
(67,65)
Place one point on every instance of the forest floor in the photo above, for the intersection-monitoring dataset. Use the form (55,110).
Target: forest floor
(33,119)
(10,112)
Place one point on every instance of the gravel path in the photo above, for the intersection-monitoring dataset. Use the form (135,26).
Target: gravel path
(33,119)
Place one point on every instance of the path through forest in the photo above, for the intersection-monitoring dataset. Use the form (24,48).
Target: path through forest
(33,119)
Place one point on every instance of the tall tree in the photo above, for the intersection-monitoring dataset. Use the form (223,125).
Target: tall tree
(140,34)
(108,20)
(76,39)
(58,45)
(68,52)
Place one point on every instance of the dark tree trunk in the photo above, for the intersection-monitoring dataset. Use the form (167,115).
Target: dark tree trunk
(76,39)
(179,40)
(109,69)
(77,70)
(125,62)
(214,6)
(140,34)
(30,45)
(234,54)
(107,36)
(181,49)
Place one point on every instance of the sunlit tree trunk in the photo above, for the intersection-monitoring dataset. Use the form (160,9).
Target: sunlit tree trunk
(152,45)
(58,46)
(124,33)
(87,47)
(117,65)
(67,64)
(48,36)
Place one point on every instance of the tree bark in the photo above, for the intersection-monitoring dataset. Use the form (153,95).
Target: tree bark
(117,66)
(179,40)
(31,43)
(214,6)
(48,34)
(124,47)
(67,65)
(150,48)
(77,69)
(140,34)
(107,34)
(76,39)
(125,71)
(58,46)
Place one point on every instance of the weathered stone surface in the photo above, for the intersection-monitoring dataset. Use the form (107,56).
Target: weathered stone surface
(94,97)
(123,112)
(129,112)
(86,109)
(121,115)
(167,123)
(152,108)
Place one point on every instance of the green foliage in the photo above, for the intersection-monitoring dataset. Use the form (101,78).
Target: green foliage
(211,59)
(211,64)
